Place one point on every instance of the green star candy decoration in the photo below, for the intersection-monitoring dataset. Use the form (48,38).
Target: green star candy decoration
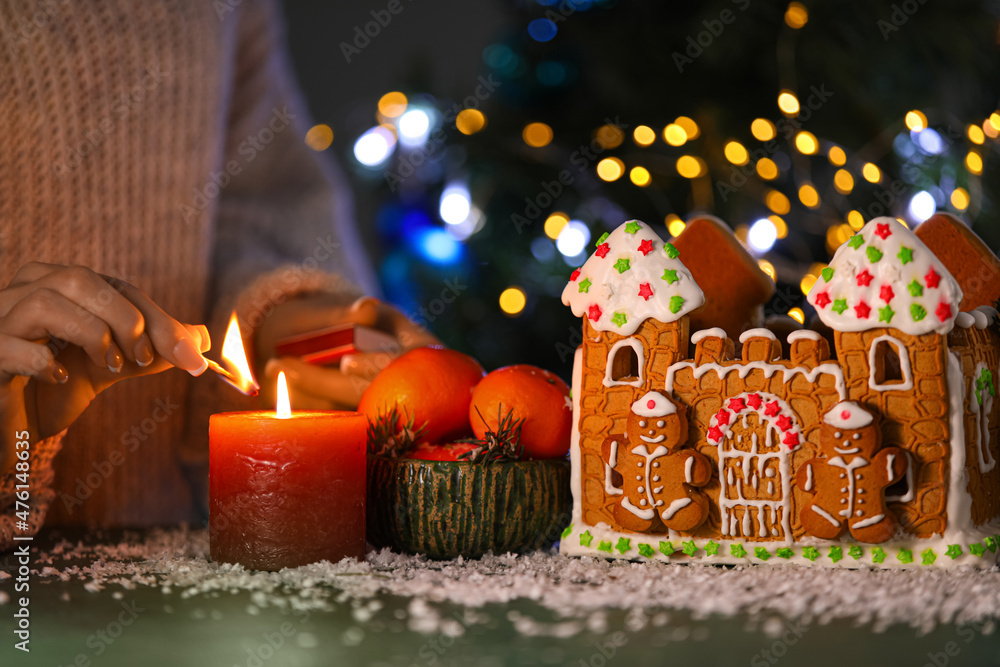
(855,552)
(632,227)
(784,552)
(624,544)
(827,274)
(737,550)
(676,303)
(761,553)
(667,548)
(878,554)
(604,237)
(585,538)
(619,318)
(905,556)
(856,241)
(690,548)
(670,275)
(954,551)
(671,251)
(885,314)
(836,553)
(712,548)
(927,557)
(585,285)
(917,312)
(566,531)
(905,255)
(622,265)
(839,305)
(992,542)
(604,546)
(646,550)
(916,289)
(977,549)
(874,254)
(811,553)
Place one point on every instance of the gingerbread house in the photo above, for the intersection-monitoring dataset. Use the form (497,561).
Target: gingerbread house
(880,452)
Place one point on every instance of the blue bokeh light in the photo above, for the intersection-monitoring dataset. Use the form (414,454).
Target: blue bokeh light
(542,30)
(438,246)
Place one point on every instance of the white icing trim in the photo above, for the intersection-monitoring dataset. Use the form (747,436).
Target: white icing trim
(849,468)
(674,507)
(979,317)
(857,417)
(714,332)
(959,506)
(575,478)
(756,333)
(990,312)
(640,353)
(803,334)
(688,469)
(982,413)
(904,365)
(965,320)
(646,514)
(809,477)
(826,515)
(609,467)
(870,521)
(662,407)
(911,491)
(811,375)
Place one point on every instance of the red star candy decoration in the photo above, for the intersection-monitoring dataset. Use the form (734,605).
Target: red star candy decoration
(723,417)
(882,231)
(594,313)
(791,439)
(715,433)
(772,409)
(932,279)
(646,247)
(784,422)
(943,311)
(645,291)
(573,276)
(822,300)
(886,293)
(754,401)
(864,279)
(862,310)
(737,404)
(602,250)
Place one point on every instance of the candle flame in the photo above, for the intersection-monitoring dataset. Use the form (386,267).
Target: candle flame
(283,409)
(235,359)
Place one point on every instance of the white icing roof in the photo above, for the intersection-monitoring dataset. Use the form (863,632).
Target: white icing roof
(885,276)
(848,415)
(714,332)
(632,277)
(756,333)
(653,404)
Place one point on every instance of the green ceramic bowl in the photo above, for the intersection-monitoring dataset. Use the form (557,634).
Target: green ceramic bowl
(446,509)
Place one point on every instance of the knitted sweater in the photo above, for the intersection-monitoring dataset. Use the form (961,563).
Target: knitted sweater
(160,142)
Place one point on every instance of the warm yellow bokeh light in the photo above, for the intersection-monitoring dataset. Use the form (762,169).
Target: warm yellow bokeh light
(610,169)
(903,222)
(554,224)
(689,126)
(537,134)
(767,169)
(808,195)
(806,142)
(807,282)
(995,120)
(470,121)
(741,233)
(915,120)
(689,167)
(974,162)
(762,129)
(639,176)
(674,135)
(674,224)
(871,172)
(736,153)
(319,137)
(392,104)
(512,300)
(779,225)
(777,202)
(766,267)
(855,220)
(837,156)
(796,15)
(836,236)
(611,135)
(989,130)
(976,134)
(960,199)
(843,181)
(797,315)
(788,103)
(643,135)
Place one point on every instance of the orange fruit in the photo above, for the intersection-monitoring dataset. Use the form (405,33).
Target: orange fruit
(431,384)
(425,451)
(535,395)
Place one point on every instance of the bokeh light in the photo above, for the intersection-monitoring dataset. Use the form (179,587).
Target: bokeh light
(674,135)
(512,300)
(763,129)
(643,135)
(674,224)
(922,206)
(915,120)
(690,167)
(788,103)
(414,126)
(736,153)
(455,204)
(837,156)
(762,235)
(611,136)
(639,176)
(855,220)
(374,146)
(689,126)
(796,16)
(974,162)
(767,169)
(843,181)
(808,195)
(610,169)
(976,134)
(542,30)
(573,238)
(470,121)
(319,137)
(780,225)
(797,315)
(777,202)
(767,268)
(554,224)
(392,105)
(537,135)
(806,142)
(960,198)
(871,172)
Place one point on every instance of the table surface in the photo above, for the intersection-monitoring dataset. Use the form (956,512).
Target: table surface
(72,625)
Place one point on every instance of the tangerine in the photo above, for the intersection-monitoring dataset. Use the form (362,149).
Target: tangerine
(433,385)
(537,396)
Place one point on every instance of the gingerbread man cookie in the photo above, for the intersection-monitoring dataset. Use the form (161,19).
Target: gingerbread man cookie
(659,473)
(849,479)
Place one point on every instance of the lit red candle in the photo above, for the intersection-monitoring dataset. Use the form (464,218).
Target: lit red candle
(285,489)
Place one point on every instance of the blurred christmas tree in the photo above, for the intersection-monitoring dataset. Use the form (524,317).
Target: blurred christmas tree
(794,123)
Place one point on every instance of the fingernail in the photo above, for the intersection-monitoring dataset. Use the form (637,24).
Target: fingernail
(206,339)
(188,357)
(143,351)
(114,359)
(59,373)
(348,363)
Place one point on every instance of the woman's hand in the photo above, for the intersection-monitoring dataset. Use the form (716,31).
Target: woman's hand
(67,333)
(331,387)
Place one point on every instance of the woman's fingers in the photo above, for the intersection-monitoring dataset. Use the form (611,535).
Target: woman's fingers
(366,365)
(22,357)
(327,383)
(170,339)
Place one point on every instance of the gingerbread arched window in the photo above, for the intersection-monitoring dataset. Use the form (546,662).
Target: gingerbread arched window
(889,365)
(626,359)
